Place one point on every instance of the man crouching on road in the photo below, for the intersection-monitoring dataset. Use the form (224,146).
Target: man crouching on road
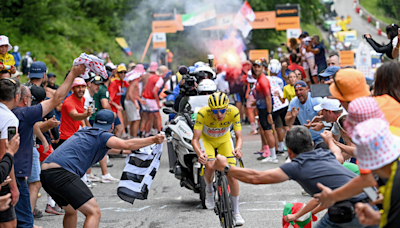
(62,170)
(308,167)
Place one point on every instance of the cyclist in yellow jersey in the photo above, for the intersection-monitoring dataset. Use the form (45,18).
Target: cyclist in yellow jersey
(211,132)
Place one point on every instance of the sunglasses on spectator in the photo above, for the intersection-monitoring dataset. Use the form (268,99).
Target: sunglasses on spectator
(222,111)
(122,72)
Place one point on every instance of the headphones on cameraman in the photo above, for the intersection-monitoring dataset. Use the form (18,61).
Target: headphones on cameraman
(274,66)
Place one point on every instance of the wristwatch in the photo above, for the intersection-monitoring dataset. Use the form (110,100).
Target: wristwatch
(227,168)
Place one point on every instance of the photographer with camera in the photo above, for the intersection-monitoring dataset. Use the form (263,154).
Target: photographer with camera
(392,48)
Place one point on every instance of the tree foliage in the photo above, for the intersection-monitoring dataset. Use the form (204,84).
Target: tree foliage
(56,31)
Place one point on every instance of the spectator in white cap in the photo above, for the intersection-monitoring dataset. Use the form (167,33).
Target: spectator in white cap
(330,110)
(379,150)
(7,61)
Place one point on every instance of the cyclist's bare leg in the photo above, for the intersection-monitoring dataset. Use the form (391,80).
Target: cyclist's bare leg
(209,172)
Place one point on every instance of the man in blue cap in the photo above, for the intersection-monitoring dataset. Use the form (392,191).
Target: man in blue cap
(62,170)
(302,107)
(327,76)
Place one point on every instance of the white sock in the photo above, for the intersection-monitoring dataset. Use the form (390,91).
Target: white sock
(50,201)
(281,145)
(209,187)
(253,126)
(235,204)
(84,178)
(273,153)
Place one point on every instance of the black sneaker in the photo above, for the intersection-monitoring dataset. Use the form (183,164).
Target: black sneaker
(37,213)
(280,153)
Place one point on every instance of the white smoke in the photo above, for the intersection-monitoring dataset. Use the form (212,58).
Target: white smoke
(138,23)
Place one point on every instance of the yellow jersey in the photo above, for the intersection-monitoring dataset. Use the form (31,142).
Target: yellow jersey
(7,59)
(213,129)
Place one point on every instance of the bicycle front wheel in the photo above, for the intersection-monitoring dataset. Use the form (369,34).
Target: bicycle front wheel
(226,204)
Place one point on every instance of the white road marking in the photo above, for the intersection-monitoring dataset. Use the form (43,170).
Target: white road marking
(163,207)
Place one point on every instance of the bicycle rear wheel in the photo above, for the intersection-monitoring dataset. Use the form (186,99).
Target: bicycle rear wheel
(225,203)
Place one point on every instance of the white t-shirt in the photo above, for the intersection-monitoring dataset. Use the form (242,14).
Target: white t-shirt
(336,129)
(88,100)
(394,43)
(221,83)
(8,119)
(277,86)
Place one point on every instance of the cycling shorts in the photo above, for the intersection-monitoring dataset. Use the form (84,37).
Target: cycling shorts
(225,148)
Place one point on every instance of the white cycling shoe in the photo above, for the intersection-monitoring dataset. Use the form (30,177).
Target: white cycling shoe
(210,200)
(239,221)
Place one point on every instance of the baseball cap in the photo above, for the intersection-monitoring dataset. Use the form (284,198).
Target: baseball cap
(104,119)
(153,67)
(376,146)
(329,104)
(49,75)
(349,85)
(246,62)
(78,82)
(4,41)
(95,79)
(330,71)
(305,33)
(111,65)
(257,62)
(37,69)
(300,83)
(16,74)
(121,68)
(38,94)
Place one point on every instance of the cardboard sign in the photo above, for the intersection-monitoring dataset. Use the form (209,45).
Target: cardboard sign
(164,26)
(287,16)
(284,23)
(264,20)
(257,54)
(346,58)
(159,37)
(159,45)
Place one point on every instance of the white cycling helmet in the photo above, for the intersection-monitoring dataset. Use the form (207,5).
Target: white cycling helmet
(206,86)
(274,66)
(205,69)
(199,63)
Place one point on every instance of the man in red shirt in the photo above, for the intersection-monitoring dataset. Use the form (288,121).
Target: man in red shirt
(73,111)
(263,97)
(150,95)
(294,66)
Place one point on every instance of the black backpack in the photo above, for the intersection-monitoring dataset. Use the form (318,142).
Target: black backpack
(24,63)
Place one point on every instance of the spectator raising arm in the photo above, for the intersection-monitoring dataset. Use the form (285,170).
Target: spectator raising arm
(291,116)
(62,92)
(133,144)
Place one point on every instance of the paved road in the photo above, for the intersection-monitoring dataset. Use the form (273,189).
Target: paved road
(344,8)
(169,205)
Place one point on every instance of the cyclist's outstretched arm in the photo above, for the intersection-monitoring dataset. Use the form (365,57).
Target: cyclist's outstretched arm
(251,176)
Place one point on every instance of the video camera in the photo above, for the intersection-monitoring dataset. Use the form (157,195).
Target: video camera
(188,87)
